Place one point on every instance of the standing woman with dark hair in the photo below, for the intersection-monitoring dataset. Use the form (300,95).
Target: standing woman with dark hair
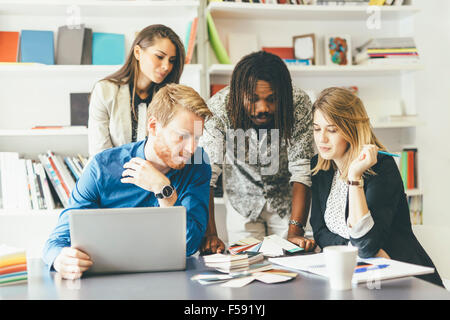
(357,194)
(118,103)
(264,195)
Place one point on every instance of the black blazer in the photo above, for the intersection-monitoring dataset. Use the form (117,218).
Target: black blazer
(386,200)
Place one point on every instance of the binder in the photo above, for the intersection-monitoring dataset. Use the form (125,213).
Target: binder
(9,46)
(69,46)
(37,46)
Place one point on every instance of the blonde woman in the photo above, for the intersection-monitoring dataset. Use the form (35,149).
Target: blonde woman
(357,194)
(119,103)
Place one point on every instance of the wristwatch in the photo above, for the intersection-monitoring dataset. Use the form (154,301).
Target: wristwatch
(166,192)
(357,183)
(296,223)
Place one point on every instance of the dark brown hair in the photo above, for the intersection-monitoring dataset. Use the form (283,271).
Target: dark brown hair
(129,72)
(268,67)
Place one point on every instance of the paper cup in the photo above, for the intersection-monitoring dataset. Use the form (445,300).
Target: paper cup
(341,263)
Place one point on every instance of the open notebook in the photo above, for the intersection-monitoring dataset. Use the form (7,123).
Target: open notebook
(375,269)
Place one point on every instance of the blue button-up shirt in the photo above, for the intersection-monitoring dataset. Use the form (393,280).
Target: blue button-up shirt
(100,187)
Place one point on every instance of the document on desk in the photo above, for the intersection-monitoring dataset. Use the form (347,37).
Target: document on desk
(378,268)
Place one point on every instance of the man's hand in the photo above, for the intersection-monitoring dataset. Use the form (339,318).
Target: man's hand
(142,173)
(307,244)
(212,244)
(71,263)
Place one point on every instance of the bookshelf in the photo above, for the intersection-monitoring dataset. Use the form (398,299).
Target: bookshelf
(256,11)
(380,86)
(37,94)
(321,71)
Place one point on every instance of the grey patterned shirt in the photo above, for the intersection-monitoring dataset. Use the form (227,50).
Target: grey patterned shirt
(256,171)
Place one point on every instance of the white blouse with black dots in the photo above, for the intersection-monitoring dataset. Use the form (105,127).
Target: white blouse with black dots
(335,212)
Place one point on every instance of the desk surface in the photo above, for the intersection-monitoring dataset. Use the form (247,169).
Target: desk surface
(178,286)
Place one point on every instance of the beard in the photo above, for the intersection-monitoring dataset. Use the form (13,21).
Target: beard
(165,154)
(270,124)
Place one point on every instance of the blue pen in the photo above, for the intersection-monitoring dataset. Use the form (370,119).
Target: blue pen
(389,154)
(375,267)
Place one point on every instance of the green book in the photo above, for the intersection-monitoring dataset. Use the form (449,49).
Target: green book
(216,44)
(404,167)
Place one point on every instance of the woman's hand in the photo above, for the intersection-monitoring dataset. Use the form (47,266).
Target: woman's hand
(366,159)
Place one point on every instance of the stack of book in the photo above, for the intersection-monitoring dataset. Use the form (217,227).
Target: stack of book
(388,51)
(232,263)
(13,265)
(38,185)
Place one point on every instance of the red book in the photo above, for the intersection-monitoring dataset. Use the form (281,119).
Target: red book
(214,88)
(13,268)
(9,44)
(411,164)
(191,44)
(52,163)
(282,52)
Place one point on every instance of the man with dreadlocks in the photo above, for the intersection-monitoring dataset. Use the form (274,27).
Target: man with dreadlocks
(264,194)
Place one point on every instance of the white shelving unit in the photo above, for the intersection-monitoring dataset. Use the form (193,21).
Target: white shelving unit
(255,11)
(379,85)
(321,71)
(36,94)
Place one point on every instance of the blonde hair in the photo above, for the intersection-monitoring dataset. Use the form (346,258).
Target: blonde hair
(346,111)
(172,97)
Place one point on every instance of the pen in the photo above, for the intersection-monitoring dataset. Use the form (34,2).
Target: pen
(389,154)
(375,267)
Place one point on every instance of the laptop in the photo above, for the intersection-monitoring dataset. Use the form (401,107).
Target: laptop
(131,239)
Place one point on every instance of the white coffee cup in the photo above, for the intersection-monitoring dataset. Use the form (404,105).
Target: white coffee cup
(341,263)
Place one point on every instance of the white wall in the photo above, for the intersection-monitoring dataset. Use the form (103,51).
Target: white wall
(432,33)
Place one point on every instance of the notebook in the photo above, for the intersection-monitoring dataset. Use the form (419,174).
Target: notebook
(9,46)
(108,48)
(69,46)
(389,269)
(131,239)
(79,109)
(37,46)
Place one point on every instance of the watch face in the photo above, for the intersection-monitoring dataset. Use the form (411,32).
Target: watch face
(167,191)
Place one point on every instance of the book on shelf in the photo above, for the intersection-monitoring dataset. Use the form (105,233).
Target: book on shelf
(108,48)
(215,42)
(69,45)
(407,164)
(42,184)
(13,265)
(86,56)
(214,88)
(415,204)
(282,52)
(344,2)
(79,108)
(398,50)
(9,46)
(191,43)
(37,46)
(297,62)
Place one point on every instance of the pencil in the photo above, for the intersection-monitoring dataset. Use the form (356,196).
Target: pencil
(389,154)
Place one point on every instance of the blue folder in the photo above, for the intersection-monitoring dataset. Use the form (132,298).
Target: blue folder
(108,48)
(37,46)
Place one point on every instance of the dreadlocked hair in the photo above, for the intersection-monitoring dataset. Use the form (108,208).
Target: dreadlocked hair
(267,67)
